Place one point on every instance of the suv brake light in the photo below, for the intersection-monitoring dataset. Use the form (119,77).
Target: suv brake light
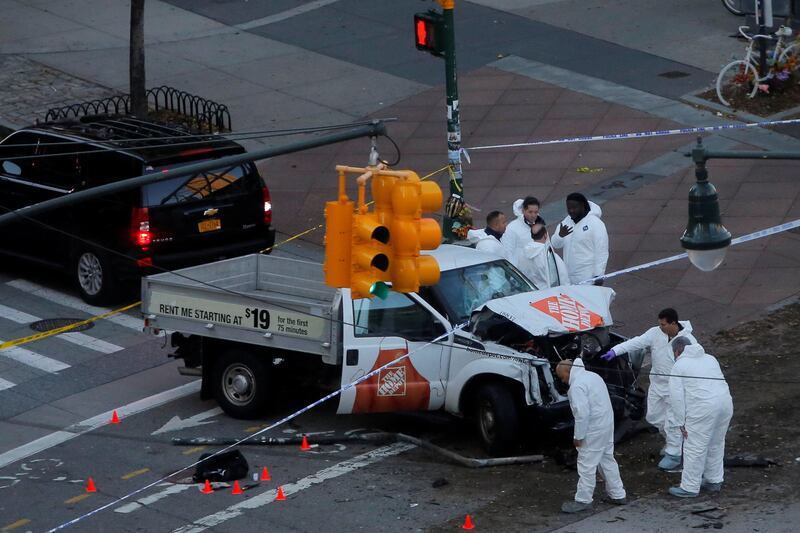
(267,207)
(140,227)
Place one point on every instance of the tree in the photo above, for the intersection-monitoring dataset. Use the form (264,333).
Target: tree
(136,62)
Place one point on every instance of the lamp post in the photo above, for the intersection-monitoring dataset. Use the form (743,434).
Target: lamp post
(705,239)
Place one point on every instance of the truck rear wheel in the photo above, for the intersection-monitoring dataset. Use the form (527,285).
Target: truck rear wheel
(241,384)
(497,418)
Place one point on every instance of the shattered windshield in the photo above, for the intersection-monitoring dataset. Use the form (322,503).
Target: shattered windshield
(464,289)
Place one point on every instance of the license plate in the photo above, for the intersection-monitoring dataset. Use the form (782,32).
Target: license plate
(212,224)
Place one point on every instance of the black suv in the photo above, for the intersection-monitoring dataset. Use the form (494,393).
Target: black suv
(172,223)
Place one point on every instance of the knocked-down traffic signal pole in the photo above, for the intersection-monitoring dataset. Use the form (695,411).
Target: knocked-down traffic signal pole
(434,32)
(364,250)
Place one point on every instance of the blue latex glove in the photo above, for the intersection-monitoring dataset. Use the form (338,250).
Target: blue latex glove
(609,355)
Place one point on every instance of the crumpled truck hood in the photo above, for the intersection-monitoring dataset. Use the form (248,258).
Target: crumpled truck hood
(565,309)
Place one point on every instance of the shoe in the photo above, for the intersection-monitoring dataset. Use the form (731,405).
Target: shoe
(662,452)
(575,507)
(680,493)
(617,501)
(670,463)
(711,487)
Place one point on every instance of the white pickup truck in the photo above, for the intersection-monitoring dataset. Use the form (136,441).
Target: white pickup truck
(245,323)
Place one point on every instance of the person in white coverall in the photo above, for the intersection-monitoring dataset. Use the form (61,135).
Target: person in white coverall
(657,340)
(488,239)
(540,263)
(703,408)
(518,231)
(593,435)
(584,238)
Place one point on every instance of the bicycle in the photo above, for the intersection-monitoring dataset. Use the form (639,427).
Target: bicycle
(734,7)
(740,78)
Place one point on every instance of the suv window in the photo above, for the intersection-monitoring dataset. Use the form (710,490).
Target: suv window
(60,166)
(218,184)
(396,316)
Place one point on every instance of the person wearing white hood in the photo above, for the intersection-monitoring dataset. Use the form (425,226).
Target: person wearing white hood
(540,263)
(593,435)
(584,238)
(488,239)
(701,405)
(657,340)
(518,231)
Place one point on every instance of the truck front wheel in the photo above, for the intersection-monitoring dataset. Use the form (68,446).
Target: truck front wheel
(497,418)
(241,384)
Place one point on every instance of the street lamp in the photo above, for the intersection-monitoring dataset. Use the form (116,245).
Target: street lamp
(706,240)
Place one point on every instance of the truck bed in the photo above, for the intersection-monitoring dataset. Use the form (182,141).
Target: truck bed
(256,299)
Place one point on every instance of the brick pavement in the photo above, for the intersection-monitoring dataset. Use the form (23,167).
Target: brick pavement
(29,89)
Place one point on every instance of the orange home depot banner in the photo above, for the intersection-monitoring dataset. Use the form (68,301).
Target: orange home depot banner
(571,313)
(398,387)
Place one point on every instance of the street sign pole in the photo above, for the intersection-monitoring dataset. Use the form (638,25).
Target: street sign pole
(453,113)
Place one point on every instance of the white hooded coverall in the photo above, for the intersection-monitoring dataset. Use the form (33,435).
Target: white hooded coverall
(542,265)
(704,408)
(486,243)
(594,426)
(517,233)
(586,248)
(658,395)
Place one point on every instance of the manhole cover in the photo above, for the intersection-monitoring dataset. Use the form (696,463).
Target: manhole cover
(53,323)
(672,74)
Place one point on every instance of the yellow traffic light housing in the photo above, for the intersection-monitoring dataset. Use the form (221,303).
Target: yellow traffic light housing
(412,233)
(338,231)
(363,249)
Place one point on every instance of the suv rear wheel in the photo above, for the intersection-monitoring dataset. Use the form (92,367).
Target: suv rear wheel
(92,274)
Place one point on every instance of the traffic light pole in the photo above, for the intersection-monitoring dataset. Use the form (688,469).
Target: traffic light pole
(453,113)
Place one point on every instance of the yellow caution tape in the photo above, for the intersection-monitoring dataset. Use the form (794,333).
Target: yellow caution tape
(64,329)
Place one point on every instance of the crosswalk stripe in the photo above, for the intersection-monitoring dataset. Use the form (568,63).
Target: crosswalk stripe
(33,359)
(74,337)
(5,384)
(75,303)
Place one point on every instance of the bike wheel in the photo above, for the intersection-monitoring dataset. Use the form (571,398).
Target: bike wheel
(733,7)
(737,80)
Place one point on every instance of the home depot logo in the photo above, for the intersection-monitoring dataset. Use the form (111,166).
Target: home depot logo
(572,314)
(392,381)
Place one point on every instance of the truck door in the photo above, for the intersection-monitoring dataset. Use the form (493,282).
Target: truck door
(379,331)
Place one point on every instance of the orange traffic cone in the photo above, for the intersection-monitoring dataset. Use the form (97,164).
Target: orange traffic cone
(280,497)
(114,417)
(265,474)
(90,486)
(207,488)
(236,488)
(305,447)
(468,523)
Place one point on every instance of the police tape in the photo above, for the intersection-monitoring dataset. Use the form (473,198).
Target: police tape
(69,327)
(738,240)
(64,329)
(280,422)
(635,135)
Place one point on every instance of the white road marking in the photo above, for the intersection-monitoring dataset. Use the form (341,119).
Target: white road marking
(90,424)
(153,498)
(66,300)
(74,337)
(175,423)
(33,359)
(267,497)
(283,15)
(5,384)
